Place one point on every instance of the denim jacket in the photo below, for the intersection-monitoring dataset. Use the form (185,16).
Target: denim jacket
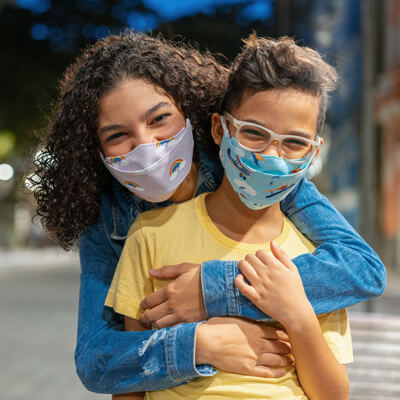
(342,271)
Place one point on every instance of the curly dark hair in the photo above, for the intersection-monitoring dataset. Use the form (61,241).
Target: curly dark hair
(266,63)
(69,177)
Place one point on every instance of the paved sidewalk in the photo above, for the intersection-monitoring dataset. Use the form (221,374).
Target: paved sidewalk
(39,296)
(39,258)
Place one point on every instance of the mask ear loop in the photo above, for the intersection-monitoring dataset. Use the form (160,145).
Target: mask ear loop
(321,142)
(224,127)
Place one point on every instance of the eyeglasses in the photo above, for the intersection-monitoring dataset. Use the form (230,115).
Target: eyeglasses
(257,138)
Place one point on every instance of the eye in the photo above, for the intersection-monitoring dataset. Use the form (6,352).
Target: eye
(252,132)
(115,136)
(160,118)
(296,142)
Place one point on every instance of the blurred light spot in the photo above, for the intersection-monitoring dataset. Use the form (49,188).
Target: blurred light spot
(141,21)
(31,182)
(258,11)
(39,31)
(6,172)
(324,38)
(182,8)
(43,157)
(35,6)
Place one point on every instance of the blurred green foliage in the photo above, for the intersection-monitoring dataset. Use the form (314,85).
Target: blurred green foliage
(7,143)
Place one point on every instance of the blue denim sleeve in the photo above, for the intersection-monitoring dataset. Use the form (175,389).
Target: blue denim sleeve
(114,361)
(343,270)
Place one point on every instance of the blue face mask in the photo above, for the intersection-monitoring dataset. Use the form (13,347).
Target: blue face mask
(260,181)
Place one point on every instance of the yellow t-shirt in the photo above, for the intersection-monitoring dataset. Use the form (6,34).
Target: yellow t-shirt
(185,233)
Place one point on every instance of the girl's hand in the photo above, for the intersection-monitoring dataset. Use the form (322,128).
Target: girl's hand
(243,347)
(179,301)
(274,284)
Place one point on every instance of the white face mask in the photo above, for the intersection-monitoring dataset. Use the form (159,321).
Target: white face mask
(153,171)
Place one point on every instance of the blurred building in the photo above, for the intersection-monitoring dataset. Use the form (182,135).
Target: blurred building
(387,116)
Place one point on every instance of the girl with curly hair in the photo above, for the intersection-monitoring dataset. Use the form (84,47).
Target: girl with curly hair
(131,133)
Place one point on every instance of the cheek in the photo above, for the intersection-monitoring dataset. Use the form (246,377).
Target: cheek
(117,149)
(175,125)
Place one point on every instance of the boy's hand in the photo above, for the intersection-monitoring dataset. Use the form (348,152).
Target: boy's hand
(179,301)
(274,284)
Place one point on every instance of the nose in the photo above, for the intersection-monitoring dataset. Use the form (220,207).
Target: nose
(272,149)
(139,137)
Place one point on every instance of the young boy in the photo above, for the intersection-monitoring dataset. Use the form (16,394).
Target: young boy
(268,137)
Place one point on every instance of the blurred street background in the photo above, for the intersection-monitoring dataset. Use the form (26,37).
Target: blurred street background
(359,169)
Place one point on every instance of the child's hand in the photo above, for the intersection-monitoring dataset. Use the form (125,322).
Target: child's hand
(179,301)
(275,285)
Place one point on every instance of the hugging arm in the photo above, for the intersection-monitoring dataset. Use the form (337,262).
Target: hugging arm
(342,257)
(247,349)
(343,270)
(112,361)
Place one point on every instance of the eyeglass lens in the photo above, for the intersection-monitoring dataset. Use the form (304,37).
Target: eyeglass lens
(254,138)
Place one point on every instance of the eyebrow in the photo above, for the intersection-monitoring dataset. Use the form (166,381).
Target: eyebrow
(108,128)
(296,133)
(153,109)
(146,115)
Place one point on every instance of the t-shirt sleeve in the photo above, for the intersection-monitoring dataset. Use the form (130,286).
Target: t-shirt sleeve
(131,282)
(336,330)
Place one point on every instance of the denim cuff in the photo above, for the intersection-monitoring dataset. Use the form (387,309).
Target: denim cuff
(181,363)
(202,369)
(217,281)
(220,295)
(243,306)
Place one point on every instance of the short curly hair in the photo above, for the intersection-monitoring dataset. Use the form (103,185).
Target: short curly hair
(69,177)
(266,63)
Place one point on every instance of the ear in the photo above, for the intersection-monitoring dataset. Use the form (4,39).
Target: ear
(318,150)
(216,129)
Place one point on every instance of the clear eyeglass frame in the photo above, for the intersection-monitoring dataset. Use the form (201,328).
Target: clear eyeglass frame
(315,144)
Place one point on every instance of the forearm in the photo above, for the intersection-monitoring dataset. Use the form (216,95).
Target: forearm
(117,362)
(342,256)
(109,360)
(131,325)
(243,347)
(113,361)
(319,373)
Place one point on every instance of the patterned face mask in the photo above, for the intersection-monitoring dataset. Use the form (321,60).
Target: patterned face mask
(153,171)
(260,181)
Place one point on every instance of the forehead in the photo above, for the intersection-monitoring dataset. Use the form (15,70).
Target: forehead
(280,109)
(135,90)
(131,101)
